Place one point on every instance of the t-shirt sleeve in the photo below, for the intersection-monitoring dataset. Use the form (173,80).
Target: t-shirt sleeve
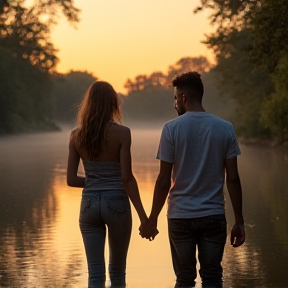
(233,149)
(166,147)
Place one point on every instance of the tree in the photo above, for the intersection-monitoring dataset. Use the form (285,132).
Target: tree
(250,43)
(274,114)
(68,90)
(266,20)
(200,64)
(160,80)
(27,58)
(26,30)
(242,81)
(25,102)
(270,35)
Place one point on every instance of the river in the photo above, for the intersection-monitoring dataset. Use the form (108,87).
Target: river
(40,241)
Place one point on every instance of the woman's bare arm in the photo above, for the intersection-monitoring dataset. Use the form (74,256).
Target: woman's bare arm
(73,179)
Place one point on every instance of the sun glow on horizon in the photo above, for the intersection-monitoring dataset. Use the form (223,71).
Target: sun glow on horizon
(116,40)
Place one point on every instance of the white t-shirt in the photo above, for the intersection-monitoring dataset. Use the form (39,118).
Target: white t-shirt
(197,144)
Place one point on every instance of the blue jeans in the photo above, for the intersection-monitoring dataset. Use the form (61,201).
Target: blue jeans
(209,235)
(99,210)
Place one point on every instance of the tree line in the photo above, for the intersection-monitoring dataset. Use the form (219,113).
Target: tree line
(150,98)
(246,84)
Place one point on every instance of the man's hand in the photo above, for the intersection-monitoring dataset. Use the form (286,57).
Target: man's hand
(148,230)
(237,235)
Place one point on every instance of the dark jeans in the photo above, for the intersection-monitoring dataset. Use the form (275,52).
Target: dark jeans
(99,210)
(209,235)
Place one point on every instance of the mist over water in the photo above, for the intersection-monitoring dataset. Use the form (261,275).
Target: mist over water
(40,241)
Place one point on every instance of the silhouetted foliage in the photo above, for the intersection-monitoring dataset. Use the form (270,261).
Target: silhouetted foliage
(250,44)
(274,110)
(68,91)
(159,79)
(24,95)
(141,82)
(151,98)
(27,58)
(152,104)
(200,64)
(247,84)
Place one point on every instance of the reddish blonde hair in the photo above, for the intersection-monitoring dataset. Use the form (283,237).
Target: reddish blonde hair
(100,106)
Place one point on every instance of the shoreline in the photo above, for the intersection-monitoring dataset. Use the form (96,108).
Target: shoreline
(263,142)
(132,124)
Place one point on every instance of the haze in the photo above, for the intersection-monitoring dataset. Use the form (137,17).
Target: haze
(116,40)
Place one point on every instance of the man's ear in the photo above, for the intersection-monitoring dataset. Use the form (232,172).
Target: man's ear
(184,99)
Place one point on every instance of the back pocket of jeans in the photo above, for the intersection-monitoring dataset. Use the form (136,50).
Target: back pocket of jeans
(118,205)
(179,229)
(85,205)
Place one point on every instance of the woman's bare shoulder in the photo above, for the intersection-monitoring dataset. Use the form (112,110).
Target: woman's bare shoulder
(75,131)
(121,132)
(73,135)
(123,127)
(117,127)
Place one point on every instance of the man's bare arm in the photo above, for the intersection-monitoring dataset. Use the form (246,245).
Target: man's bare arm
(128,178)
(235,192)
(161,190)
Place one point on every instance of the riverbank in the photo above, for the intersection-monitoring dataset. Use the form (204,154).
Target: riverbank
(134,124)
(27,128)
(265,142)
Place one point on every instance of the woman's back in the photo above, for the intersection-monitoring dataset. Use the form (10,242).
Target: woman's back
(114,135)
(104,172)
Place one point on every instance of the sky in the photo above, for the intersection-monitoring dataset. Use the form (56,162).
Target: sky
(120,39)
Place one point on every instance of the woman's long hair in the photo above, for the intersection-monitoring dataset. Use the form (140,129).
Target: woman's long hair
(99,107)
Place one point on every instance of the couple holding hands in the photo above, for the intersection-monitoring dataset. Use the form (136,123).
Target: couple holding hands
(197,152)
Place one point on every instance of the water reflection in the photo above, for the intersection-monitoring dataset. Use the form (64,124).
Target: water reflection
(29,209)
(40,241)
(265,183)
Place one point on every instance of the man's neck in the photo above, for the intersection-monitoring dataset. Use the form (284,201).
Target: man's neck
(196,107)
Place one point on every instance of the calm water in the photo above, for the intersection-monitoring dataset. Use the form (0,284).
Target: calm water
(40,242)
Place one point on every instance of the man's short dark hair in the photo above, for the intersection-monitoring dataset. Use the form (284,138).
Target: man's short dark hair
(189,81)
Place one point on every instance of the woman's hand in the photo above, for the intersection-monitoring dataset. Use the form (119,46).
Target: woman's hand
(148,230)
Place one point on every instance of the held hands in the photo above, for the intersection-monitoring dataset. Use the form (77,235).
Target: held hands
(237,235)
(148,230)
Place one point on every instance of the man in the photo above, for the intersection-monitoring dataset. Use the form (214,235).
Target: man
(198,149)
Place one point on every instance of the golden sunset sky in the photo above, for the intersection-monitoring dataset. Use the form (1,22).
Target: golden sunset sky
(120,39)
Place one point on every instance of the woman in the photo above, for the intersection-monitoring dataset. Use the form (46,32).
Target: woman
(104,147)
